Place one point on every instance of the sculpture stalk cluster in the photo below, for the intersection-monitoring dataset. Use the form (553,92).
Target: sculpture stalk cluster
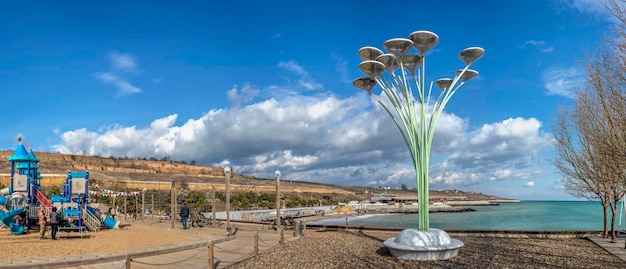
(401,75)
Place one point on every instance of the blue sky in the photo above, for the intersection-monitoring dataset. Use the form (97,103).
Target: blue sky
(266,85)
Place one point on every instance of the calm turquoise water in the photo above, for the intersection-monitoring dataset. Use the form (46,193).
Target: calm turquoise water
(525,215)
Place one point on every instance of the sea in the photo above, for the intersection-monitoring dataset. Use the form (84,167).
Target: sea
(523,216)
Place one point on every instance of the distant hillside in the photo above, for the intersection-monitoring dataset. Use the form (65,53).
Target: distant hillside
(114,171)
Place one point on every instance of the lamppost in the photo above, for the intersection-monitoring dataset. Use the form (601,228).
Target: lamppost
(227,174)
(277,173)
(173,203)
(213,207)
(151,203)
(403,81)
(143,204)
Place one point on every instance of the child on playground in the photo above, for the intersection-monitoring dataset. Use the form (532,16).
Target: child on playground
(194,217)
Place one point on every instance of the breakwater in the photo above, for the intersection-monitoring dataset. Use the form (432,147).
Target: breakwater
(413,209)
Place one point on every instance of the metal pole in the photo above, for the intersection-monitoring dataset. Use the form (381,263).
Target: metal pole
(152,203)
(114,208)
(277,173)
(213,208)
(173,203)
(227,174)
(125,195)
(143,204)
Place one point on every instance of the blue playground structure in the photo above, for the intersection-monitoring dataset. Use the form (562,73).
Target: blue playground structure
(20,202)
(73,204)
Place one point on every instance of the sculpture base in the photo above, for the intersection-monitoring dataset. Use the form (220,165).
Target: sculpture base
(413,244)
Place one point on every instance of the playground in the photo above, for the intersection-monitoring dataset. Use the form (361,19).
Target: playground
(22,199)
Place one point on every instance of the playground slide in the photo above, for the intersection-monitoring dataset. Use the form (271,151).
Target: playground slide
(6,216)
(43,200)
(4,192)
(108,221)
(111,223)
(7,219)
(3,202)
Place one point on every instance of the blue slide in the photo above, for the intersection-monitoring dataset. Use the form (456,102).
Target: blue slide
(7,219)
(108,221)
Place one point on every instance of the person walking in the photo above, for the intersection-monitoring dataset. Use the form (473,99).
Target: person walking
(184,215)
(42,223)
(54,222)
(194,217)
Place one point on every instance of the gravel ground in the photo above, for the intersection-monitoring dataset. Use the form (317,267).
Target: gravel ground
(335,249)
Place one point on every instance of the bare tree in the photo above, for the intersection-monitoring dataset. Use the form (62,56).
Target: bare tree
(591,138)
(574,162)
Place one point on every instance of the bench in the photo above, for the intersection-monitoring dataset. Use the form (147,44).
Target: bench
(68,229)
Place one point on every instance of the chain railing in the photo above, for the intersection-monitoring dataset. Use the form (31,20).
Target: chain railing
(263,216)
(218,256)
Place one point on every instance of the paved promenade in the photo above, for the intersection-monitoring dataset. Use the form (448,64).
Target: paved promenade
(614,247)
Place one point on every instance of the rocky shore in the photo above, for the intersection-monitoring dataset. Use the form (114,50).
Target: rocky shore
(340,249)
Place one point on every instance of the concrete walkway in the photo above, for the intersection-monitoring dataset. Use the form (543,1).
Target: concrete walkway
(616,248)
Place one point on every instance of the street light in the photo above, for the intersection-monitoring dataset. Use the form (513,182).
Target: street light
(143,204)
(227,174)
(173,203)
(213,207)
(277,173)
(402,78)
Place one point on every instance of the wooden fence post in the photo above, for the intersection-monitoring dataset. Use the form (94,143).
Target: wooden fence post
(128,259)
(256,243)
(282,236)
(211,258)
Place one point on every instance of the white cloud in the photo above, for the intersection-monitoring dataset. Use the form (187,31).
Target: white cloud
(540,45)
(305,81)
(122,61)
(588,6)
(325,138)
(122,66)
(563,82)
(341,67)
(505,150)
(242,96)
(322,137)
(124,87)
(529,184)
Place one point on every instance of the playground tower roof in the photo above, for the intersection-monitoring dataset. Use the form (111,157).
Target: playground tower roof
(22,155)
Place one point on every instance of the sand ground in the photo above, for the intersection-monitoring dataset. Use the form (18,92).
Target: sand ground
(113,241)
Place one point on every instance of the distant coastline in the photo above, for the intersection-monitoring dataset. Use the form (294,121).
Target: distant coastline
(516,216)
(411,208)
